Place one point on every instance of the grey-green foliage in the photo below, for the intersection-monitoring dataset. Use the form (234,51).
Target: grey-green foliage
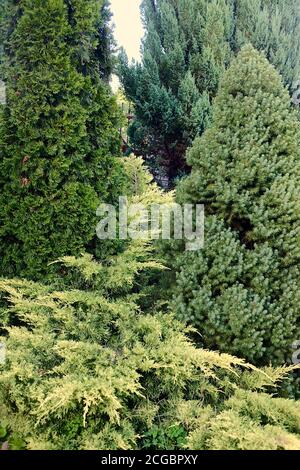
(242,290)
(187,46)
(272,26)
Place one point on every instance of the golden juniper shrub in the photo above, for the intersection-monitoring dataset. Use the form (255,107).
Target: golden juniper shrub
(86,369)
(141,187)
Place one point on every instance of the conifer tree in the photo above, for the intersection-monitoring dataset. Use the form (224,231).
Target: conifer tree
(272,26)
(187,46)
(92,36)
(242,290)
(58,136)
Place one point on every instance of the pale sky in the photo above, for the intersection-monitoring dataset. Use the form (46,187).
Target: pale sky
(128,26)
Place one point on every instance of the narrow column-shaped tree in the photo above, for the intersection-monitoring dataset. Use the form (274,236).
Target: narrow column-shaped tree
(58,135)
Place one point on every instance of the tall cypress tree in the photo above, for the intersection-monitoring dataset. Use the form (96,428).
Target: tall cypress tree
(242,290)
(58,136)
(187,46)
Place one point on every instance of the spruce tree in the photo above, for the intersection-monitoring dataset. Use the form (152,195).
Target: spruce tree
(188,45)
(242,290)
(59,133)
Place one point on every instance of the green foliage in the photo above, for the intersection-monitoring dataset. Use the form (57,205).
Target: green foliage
(187,46)
(238,426)
(91,361)
(85,369)
(91,37)
(272,26)
(160,438)
(141,189)
(59,133)
(138,176)
(242,290)
(140,186)
(10,441)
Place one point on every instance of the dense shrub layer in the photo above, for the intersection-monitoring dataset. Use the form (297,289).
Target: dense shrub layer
(85,369)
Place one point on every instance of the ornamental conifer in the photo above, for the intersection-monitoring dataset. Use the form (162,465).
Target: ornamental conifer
(188,44)
(242,290)
(59,134)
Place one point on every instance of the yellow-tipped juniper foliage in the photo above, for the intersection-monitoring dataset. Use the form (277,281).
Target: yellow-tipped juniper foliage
(85,369)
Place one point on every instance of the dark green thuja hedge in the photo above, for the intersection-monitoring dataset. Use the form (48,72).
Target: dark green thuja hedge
(242,290)
(59,133)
